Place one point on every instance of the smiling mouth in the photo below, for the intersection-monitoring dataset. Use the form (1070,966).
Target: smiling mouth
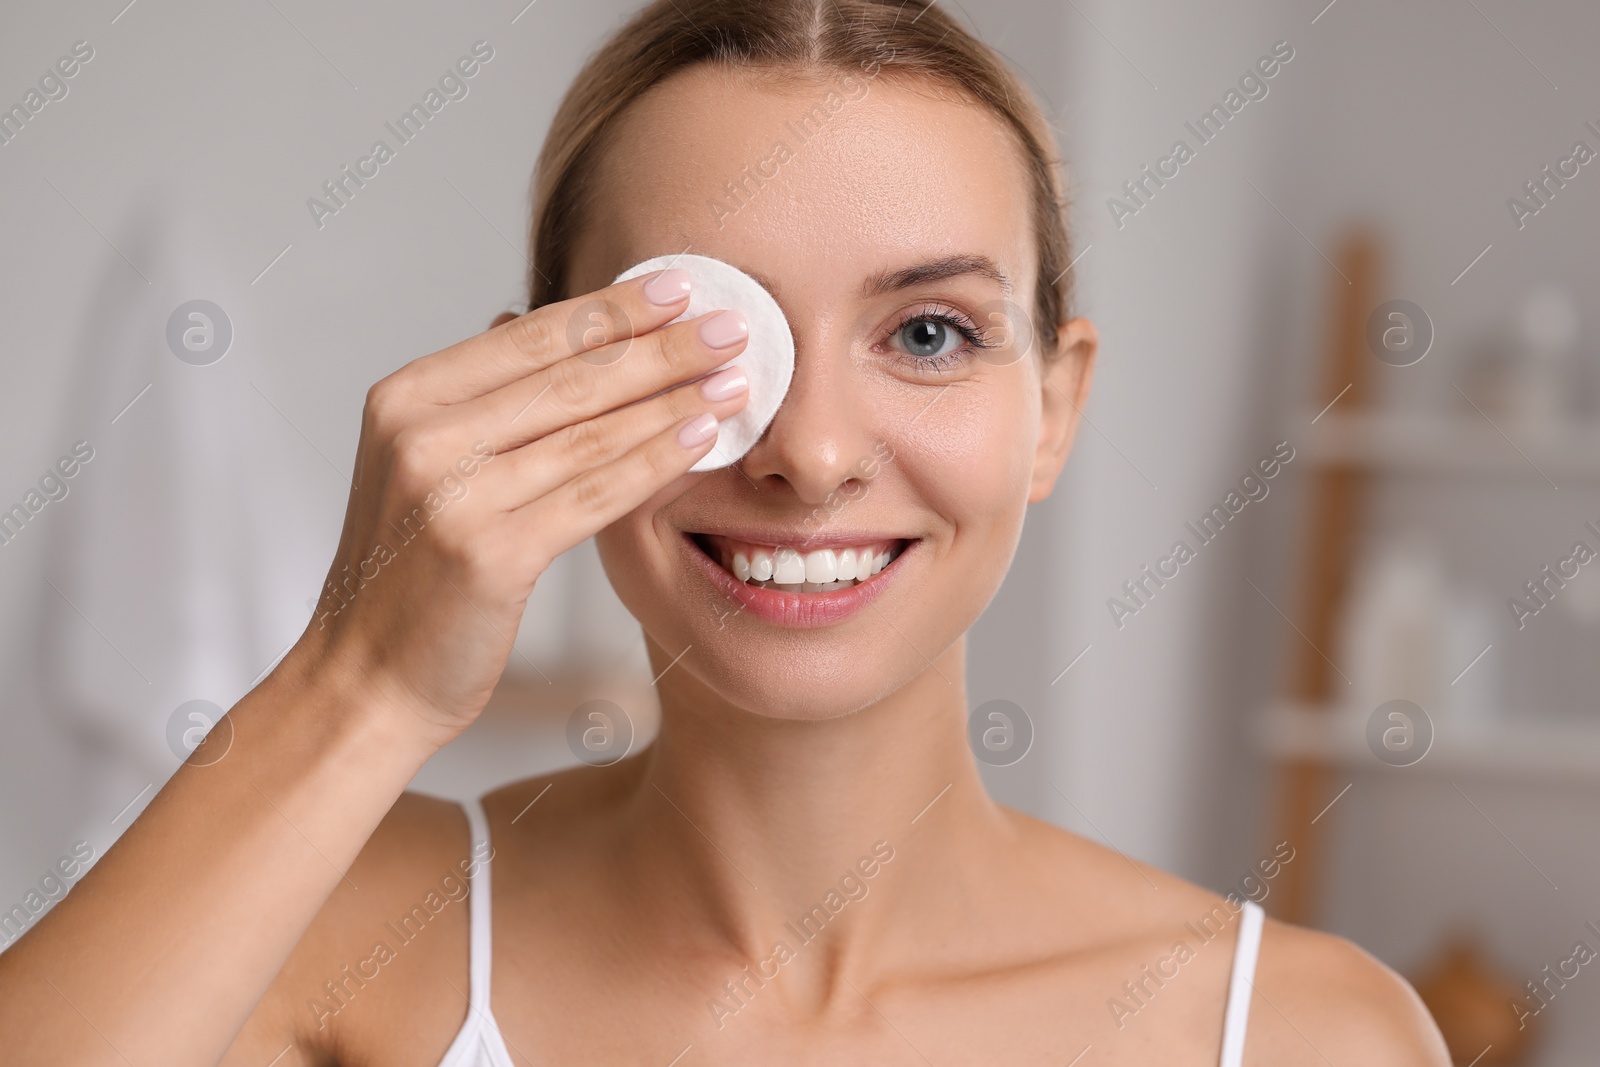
(792,570)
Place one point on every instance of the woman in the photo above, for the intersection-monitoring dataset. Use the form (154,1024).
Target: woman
(803,867)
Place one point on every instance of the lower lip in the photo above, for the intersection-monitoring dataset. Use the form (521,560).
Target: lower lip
(800,610)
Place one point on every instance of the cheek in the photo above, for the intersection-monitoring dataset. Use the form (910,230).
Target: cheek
(643,558)
(969,451)
(629,547)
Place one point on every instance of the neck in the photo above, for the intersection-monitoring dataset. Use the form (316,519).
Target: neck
(751,822)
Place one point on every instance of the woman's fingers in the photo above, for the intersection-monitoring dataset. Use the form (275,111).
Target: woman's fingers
(434,515)
(572,391)
(593,500)
(546,335)
(524,474)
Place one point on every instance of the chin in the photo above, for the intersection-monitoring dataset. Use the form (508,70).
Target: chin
(799,688)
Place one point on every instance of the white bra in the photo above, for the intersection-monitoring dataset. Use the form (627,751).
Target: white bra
(479,1043)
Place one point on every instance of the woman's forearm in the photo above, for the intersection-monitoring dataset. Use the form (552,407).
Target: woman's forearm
(160,952)
(458,504)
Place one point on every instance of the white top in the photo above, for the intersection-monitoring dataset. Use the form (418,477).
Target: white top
(479,1044)
(1241,983)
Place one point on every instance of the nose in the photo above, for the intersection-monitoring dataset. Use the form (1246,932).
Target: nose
(822,435)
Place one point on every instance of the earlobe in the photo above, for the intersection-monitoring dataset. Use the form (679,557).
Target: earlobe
(1064,389)
(502,318)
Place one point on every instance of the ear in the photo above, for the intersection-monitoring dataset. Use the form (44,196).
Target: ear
(502,318)
(1064,387)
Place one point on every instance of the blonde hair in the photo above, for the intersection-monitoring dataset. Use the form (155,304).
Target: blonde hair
(902,37)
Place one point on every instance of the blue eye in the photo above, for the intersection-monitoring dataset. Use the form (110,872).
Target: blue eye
(926,339)
(934,338)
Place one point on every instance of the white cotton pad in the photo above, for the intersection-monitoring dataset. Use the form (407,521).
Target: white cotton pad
(768,356)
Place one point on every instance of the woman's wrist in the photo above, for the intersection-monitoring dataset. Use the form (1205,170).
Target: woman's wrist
(351,707)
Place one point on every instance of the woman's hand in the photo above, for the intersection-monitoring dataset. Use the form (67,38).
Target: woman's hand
(479,464)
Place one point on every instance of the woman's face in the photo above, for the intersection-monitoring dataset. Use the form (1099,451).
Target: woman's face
(896,432)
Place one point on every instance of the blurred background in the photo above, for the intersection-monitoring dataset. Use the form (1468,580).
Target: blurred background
(1370,273)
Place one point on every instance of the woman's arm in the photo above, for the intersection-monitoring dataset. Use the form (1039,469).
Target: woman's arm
(476,467)
(162,951)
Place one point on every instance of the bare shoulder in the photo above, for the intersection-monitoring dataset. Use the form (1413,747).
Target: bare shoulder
(422,845)
(1128,896)
(418,831)
(563,806)
(397,921)
(1320,998)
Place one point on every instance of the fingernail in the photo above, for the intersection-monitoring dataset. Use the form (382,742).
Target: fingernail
(667,287)
(724,329)
(698,430)
(725,384)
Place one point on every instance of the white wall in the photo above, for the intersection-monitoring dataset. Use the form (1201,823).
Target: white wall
(178,167)
(190,143)
(1177,292)
(1210,303)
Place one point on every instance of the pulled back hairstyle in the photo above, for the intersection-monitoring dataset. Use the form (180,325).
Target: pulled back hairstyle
(903,38)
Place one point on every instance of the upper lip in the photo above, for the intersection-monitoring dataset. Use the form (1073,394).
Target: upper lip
(829,538)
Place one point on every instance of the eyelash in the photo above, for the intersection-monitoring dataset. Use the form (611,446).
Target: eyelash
(948,317)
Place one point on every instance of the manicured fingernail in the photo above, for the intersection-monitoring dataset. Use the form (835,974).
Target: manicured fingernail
(667,287)
(724,329)
(725,384)
(698,430)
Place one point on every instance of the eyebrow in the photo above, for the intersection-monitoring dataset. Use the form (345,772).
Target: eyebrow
(889,281)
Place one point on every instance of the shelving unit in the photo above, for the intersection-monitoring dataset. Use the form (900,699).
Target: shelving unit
(1443,443)
(1524,746)
(1369,466)
(1383,443)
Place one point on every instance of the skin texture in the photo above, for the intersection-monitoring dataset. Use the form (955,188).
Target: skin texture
(627,897)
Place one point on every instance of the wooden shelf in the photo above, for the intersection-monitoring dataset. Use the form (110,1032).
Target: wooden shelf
(1451,443)
(1525,747)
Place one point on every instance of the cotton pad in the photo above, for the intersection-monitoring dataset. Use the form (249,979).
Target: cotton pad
(768,356)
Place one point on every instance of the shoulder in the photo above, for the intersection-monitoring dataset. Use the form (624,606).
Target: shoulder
(1322,998)
(397,911)
(418,830)
(422,846)
(561,807)
(1318,998)
(417,848)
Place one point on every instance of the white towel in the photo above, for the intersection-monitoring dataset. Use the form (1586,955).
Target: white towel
(184,555)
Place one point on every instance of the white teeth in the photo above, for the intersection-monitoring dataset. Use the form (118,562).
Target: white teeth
(822,567)
(847,565)
(818,571)
(788,568)
(761,565)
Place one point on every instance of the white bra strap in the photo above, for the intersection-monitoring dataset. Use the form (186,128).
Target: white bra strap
(1241,983)
(480,958)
